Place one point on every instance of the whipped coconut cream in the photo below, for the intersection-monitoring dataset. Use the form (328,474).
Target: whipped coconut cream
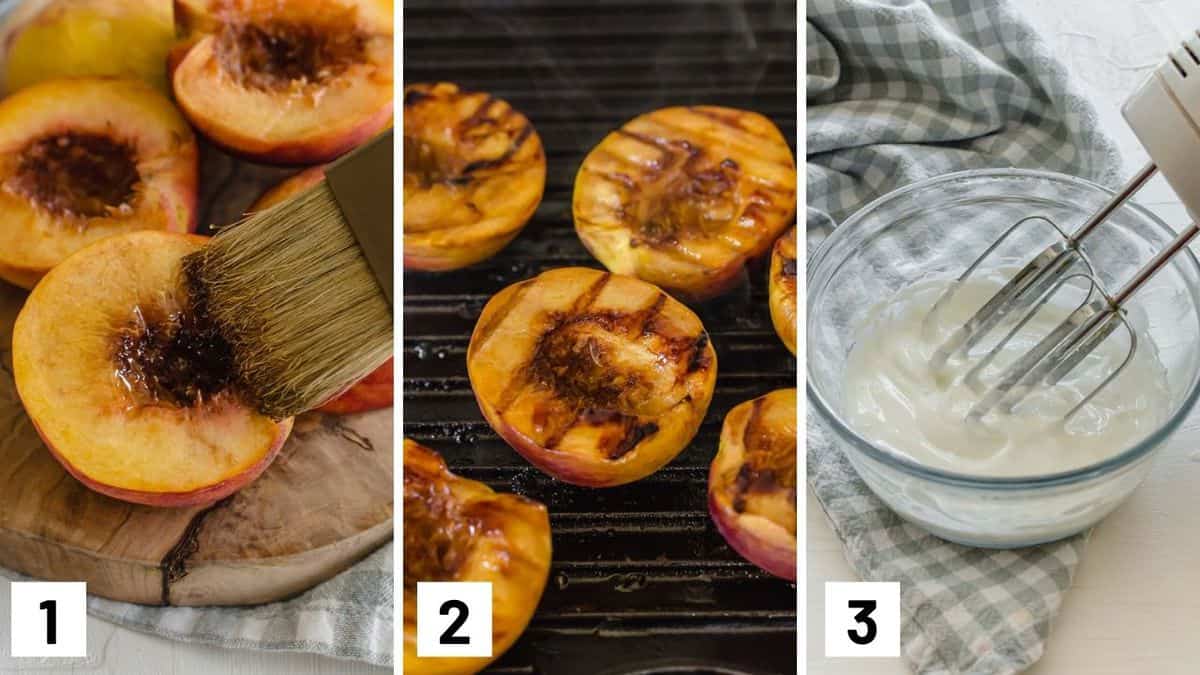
(893,396)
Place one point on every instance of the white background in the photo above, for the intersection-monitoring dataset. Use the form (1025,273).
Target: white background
(1135,607)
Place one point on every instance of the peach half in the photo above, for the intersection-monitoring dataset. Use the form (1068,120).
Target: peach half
(684,197)
(377,389)
(87,158)
(474,172)
(781,289)
(285,81)
(130,389)
(752,482)
(457,529)
(597,379)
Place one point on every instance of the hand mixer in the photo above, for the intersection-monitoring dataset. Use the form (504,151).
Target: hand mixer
(1164,113)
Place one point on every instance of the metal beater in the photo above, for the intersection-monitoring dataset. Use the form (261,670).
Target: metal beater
(1165,114)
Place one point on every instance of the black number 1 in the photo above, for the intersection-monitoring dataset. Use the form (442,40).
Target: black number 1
(460,617)
(865,608)
(50,607)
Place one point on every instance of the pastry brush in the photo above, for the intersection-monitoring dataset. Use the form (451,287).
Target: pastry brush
(302,291)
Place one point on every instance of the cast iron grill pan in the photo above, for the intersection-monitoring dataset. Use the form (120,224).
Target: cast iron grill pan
(641,582)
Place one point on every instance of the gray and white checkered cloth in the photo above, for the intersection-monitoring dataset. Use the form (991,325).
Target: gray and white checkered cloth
(897,92)
(348,617)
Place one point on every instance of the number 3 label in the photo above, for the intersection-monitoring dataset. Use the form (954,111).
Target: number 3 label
(862,619)
(454,618)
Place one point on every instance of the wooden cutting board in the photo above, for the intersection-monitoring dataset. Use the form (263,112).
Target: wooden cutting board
(325,503)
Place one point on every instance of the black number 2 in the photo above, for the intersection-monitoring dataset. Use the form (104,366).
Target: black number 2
(865,608)
(460,617)
(51,611)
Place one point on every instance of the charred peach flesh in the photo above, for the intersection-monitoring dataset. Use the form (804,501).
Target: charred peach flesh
(597,379)
(684,197)
(285,81)
(129,388)
(752,482)
(83,159)
(457,529)
(474,171)
(782,288)
(374,391)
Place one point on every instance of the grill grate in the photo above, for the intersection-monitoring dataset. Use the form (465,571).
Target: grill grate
(639,574)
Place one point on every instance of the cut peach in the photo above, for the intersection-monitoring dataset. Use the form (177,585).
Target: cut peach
(781,286)
(685,197)
(83,159)
(128,386)
(457,529)
(51,39)
(474,171)
(288,188)
(374,391)
(285,81)
(752,482)
(597,379)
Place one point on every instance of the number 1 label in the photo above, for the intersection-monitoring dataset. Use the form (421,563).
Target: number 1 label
(454,618)
(49,618)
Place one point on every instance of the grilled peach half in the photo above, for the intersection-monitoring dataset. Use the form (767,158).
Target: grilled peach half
(376,390)
(83,159)
(597,379)
(284,81)
(752,482)
(781,288)
(130,388)
(684,197)
(457,529)
(474,171)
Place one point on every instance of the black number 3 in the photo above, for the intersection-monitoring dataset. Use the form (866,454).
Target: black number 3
(460,617)
(51,609)
(865,608)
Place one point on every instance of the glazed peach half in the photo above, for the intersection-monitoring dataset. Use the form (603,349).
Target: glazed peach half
(131,390)
(457,529)
(752,482)
(474,171)
(781,288)
(87,158)
(284,81)
(374,391)
(597,379)
(684,197)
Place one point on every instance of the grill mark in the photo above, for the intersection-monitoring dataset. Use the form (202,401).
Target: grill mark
(517,143)
(663,146)
(649,314)
(699,356)
(485,333)
(479,115)
(585,299)
(634,434)
(753,421)
(414,96)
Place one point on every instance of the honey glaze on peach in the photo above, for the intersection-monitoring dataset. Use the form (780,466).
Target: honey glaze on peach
(685,193)
(77,174)
(172,358)
(577,358)
(277,54)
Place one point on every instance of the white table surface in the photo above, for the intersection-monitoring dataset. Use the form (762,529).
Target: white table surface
(1135,604)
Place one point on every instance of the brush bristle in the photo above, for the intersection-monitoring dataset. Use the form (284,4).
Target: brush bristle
(290,290)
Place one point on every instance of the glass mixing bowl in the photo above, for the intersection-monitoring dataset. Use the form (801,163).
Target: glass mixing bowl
(936,228)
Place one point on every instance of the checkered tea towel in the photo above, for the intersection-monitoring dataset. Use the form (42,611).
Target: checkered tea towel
(900,91)
(348,617)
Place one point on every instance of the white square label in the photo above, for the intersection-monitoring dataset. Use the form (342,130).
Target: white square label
(862,618)
(49,618)
(454,618)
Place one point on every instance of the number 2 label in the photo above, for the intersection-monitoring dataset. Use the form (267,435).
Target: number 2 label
(454,619)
